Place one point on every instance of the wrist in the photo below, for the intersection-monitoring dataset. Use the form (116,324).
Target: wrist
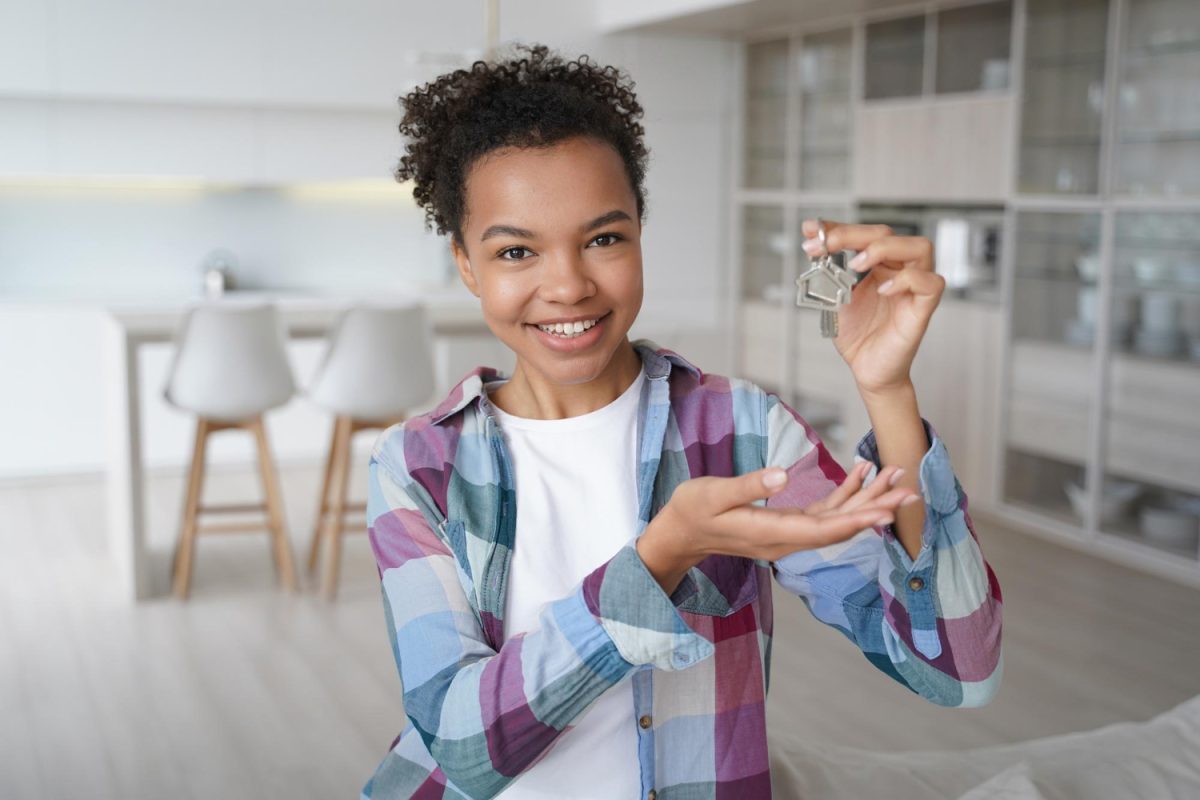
(661,548)
(899,390)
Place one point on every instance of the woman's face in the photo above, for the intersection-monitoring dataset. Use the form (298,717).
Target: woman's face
(553,234)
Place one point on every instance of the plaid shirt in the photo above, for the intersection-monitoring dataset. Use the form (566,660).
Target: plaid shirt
(442,521)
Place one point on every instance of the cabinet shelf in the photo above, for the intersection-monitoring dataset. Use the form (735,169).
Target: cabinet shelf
(1149,51)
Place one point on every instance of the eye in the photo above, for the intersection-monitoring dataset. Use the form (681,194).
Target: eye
(504,254)
(613,237)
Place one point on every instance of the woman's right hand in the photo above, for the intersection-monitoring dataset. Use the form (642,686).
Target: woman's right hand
(709,515)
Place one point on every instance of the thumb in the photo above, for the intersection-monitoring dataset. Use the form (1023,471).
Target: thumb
(743,489)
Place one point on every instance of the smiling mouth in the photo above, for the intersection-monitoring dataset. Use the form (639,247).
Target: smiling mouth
(570,330)
(598,320)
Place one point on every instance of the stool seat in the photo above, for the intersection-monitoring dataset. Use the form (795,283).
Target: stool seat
(378,366)
(230,361)
(379,362)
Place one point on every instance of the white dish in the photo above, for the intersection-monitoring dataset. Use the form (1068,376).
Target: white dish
(1170,527)
(1117,498)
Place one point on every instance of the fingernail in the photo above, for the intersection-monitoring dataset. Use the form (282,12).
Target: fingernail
(895,477)
(886,286)
(908,501)
(884,520)
(775,477)
(812,247)
(858,261)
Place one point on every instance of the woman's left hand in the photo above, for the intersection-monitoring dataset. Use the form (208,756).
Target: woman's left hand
(881,328)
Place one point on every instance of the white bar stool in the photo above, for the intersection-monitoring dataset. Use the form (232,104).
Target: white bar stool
(230,366)
(378,366)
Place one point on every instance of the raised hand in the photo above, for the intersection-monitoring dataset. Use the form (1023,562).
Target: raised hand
(881,328)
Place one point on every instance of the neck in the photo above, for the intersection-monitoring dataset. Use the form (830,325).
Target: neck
(528,394)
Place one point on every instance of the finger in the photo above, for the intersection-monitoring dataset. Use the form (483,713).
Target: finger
(822,531)
(847,489)
(885,480)
(790,529)
(919,283)
(845,235)
(915,251)
(887,501)
(741,490)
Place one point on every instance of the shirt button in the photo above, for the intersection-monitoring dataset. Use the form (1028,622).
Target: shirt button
(651,795)
(916,583)
(644,721)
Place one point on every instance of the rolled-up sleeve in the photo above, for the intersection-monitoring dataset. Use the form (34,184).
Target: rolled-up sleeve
(934,622)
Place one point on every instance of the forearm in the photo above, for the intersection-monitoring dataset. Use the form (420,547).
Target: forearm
(900,437)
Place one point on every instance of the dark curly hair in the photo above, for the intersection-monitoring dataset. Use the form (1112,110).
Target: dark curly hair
(534,100)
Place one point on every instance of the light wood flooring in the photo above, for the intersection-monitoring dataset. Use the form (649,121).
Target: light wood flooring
(248,692)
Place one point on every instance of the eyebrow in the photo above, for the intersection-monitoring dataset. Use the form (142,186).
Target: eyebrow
(520,233)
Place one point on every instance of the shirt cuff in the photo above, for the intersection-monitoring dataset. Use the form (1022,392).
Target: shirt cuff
(637,614)
(938,486)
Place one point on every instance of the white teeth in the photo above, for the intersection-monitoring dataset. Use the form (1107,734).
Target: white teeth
(569,330)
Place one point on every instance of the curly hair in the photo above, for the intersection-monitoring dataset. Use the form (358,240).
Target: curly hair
(535,100)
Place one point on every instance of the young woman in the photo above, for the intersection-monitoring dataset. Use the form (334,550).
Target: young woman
(577,559)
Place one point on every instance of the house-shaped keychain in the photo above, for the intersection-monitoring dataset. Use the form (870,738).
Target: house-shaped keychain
(825,286)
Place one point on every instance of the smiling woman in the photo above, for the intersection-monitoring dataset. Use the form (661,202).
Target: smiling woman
(577,559)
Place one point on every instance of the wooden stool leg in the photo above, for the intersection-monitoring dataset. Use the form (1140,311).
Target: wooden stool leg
(334,520)
(279,538)
(186,545)
(314,550)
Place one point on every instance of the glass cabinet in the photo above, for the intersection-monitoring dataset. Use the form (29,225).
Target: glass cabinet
(1151,490)
(825,96)
(1158,137)
(1052,365)
(895,58)
(1062,100)
(765,122)
(973,47)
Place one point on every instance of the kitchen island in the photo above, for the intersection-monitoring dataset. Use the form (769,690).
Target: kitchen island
(456,320)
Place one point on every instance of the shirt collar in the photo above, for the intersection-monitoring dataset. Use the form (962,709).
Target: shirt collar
(656,360)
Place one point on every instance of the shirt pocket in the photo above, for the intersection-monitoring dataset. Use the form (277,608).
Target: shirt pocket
(724,585)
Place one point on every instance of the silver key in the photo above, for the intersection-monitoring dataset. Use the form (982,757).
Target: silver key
(825,286)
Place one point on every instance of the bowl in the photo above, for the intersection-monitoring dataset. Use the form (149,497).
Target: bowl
(1170,527)
(1150,269)
(1088,266)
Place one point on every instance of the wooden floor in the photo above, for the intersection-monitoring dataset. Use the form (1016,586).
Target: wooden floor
(247,692)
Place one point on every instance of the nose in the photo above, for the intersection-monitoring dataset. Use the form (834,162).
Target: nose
(565,279)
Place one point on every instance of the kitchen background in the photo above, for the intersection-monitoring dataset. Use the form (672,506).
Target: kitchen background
(1049,148)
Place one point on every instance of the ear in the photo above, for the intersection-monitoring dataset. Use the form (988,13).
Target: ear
(464,266)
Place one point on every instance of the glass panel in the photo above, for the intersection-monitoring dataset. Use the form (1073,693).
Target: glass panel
(1158,143)
(1152,464)
(1053,329)
(972,48)
(825,111)
(895,58)
(766,114)
(1063,96)
(763,244)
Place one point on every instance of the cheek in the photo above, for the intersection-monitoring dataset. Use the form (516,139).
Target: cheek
(503,296)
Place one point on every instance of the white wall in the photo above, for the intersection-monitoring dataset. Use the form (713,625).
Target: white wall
(342,63)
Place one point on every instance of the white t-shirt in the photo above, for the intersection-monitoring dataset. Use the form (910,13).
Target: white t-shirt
(576,488)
